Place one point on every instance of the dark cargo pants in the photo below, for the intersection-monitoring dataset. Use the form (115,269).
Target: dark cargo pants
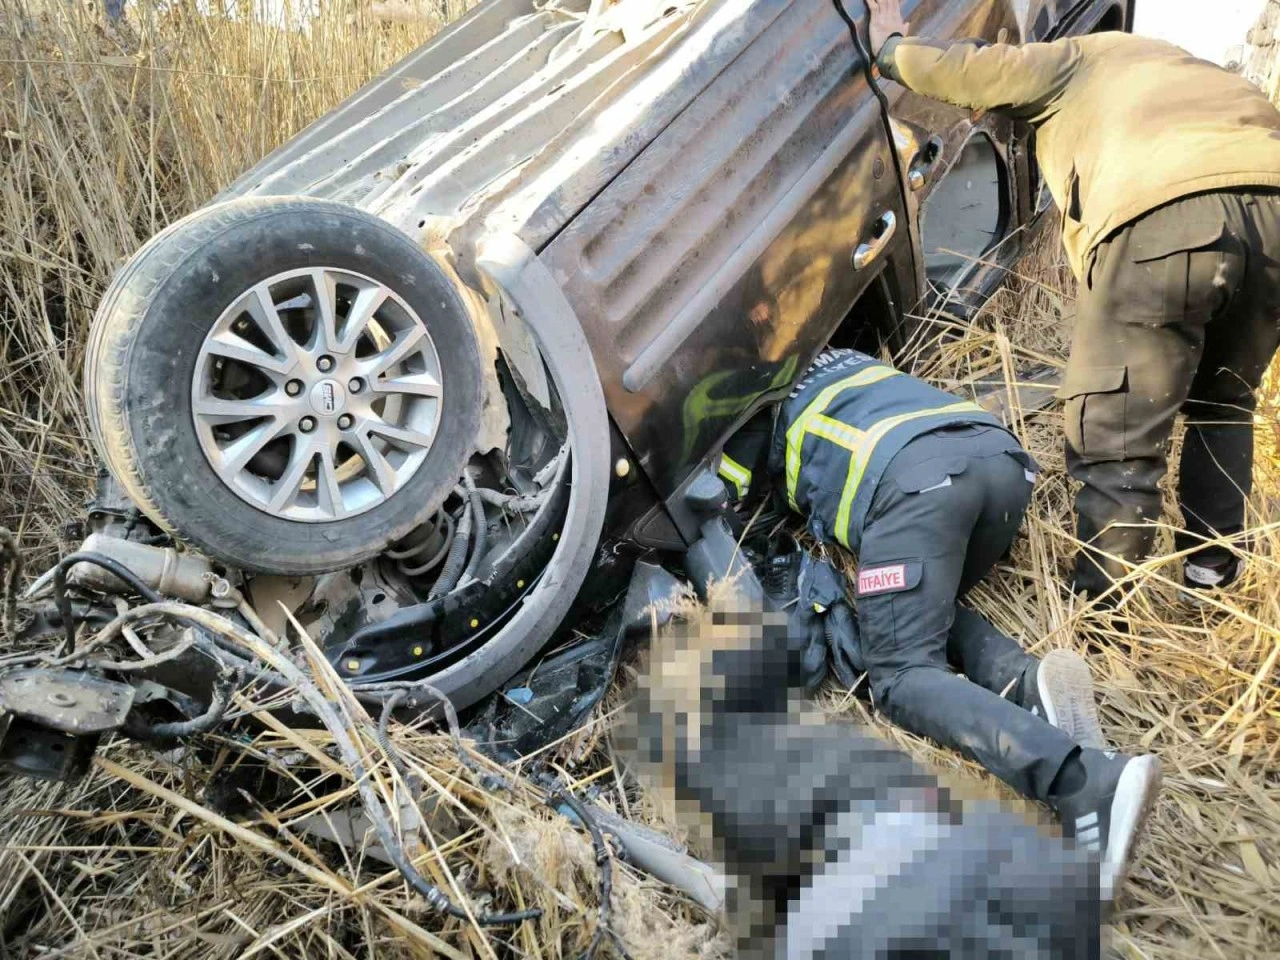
(1178,313)
(945,511)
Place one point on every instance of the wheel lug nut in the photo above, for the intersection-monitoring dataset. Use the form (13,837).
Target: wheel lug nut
(324,364)
(307,424)
(345,421)
(356,385)
(293,387)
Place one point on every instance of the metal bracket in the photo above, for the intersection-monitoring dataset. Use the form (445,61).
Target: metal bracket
(51,719)
(65,700)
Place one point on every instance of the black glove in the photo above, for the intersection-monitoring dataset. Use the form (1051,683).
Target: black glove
(844,644)
(822,627)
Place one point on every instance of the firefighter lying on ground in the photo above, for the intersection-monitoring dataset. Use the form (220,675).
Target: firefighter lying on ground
(929,491)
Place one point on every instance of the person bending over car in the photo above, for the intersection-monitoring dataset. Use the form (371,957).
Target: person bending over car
(929,492)
(1166,170)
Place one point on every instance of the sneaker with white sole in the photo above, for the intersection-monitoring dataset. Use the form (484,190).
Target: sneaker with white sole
(1107,814)
(1214,576)
(1202,580)
(1060,689)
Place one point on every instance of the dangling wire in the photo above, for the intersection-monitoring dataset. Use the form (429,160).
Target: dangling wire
(867,62)
(457,558)
(280,668)
(481,528)
(63,602)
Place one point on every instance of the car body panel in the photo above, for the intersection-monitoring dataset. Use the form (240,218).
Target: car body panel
(696,176)
(328,136)
(710,271)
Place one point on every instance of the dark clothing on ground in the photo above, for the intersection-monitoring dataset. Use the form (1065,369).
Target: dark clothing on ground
(1177,313)
(947,509)
(838,845)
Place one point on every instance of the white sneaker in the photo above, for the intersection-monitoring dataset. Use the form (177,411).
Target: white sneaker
(1107,815)
(1062,693)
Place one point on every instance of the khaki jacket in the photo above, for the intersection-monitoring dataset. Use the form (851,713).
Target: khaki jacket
(1123,124)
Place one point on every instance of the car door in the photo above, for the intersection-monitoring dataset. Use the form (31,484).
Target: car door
(715,266)
(963,168)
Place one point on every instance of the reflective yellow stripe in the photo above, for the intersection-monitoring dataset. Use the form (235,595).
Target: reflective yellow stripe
(735,473)
(838,433)
(796,432)
(859,458)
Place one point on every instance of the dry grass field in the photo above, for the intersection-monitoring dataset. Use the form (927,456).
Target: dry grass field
(107,134)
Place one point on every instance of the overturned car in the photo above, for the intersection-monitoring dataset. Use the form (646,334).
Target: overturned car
(446,365)
(427,392)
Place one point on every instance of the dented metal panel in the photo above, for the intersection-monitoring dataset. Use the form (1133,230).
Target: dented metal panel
(457,99)
(584,159)
(479,26)
(710,269)
(444,192)
(493,109)
(696,174)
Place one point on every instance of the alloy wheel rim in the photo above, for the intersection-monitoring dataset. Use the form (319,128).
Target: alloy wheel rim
(317,394)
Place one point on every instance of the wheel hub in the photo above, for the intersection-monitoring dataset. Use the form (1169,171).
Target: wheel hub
(328,398)
(317,394)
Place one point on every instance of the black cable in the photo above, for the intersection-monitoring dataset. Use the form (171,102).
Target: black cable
(115,567)
(514,502)
(438,899)
(457,559)
(604,860)
(208,638)
(435,896)
(403,692)
(481,530)
(384,731)
(867,63)
(279,665)
(223,687)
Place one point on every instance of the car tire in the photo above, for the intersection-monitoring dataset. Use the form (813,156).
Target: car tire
(145,346)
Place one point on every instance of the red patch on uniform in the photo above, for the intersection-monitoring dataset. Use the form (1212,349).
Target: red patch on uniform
(882,579)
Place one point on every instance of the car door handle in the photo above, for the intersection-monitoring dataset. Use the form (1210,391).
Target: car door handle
(925,164)
(882,232)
